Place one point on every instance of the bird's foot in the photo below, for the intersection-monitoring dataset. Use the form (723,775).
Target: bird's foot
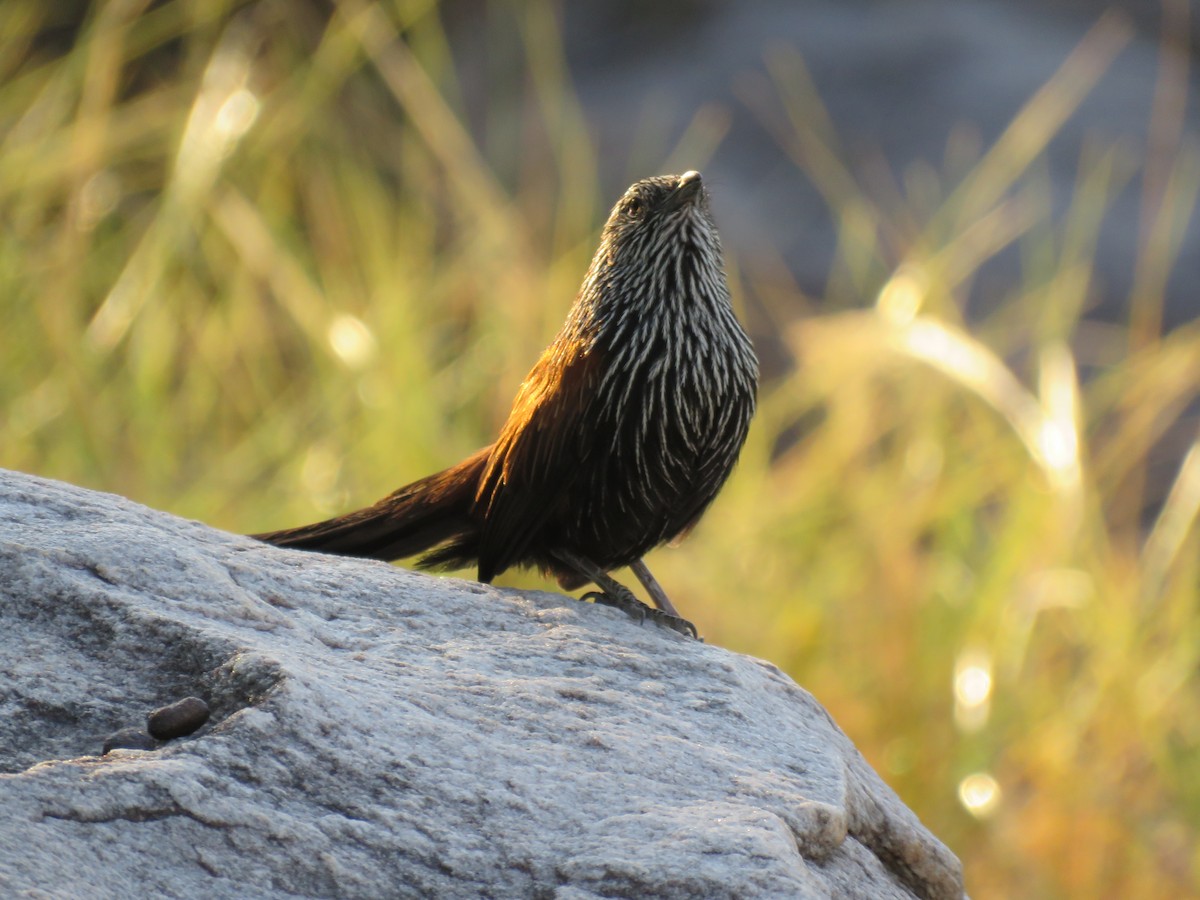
(625,600)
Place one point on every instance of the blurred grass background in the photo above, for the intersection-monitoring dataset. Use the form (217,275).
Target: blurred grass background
(255,270)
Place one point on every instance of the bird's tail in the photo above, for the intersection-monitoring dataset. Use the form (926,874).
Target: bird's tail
(415,518)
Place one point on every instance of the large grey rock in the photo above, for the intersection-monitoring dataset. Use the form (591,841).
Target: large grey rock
(378,733)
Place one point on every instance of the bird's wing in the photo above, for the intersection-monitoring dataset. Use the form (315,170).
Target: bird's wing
(538,455)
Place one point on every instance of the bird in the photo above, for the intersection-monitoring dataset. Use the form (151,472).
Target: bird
(620,436)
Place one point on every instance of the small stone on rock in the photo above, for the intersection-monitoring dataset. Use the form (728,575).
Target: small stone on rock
(129,739)
(177,720)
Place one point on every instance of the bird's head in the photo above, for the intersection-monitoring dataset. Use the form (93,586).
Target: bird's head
(660,215)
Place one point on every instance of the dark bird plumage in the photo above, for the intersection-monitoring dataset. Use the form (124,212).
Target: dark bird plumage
(618,439)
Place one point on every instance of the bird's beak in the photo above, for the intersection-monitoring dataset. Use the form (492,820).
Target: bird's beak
(688,189)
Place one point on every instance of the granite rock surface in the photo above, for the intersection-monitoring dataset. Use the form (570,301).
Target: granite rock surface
(379,733)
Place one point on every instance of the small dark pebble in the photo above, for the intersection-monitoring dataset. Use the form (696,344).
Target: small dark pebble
(129,739)
(179,719)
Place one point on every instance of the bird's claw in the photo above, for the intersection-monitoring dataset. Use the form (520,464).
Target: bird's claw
(640,612)
(626,602)
(676,623)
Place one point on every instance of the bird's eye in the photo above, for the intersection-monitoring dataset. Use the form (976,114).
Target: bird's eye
(634,208)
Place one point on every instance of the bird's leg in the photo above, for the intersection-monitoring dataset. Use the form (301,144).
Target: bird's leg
(666,612)
(653,588)
(613,593)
